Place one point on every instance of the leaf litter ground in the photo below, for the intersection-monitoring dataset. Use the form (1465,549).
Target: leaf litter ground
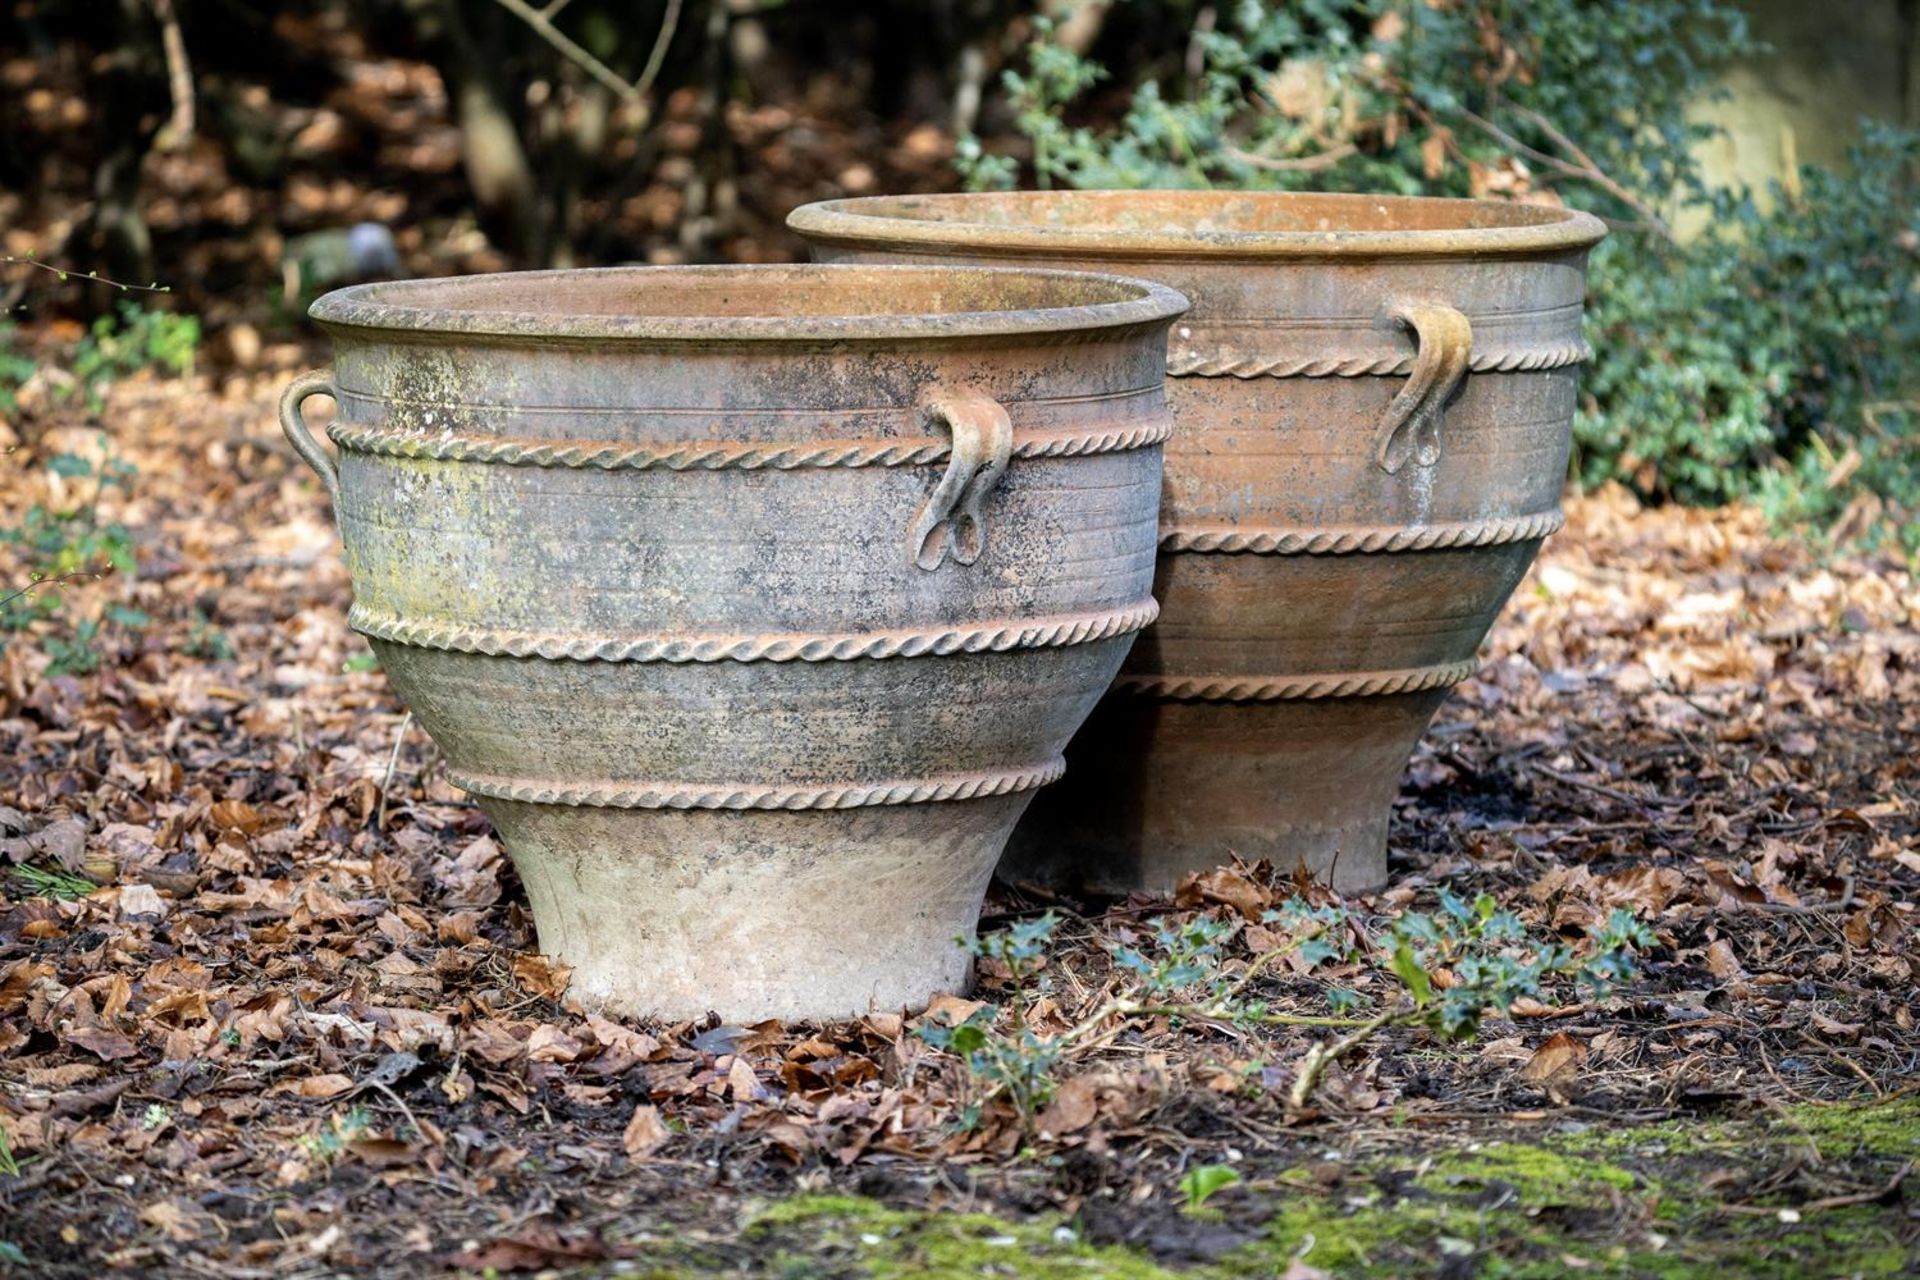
(294,1024)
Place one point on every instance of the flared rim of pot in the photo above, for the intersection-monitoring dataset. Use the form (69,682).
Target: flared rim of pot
(1197,224)
(775,303)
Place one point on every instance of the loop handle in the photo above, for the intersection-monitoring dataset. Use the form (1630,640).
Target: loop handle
(950,523)
(293,421)
(1443,341)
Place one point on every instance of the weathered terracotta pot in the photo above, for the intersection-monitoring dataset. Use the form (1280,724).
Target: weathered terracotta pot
(754,603)
(1374,399)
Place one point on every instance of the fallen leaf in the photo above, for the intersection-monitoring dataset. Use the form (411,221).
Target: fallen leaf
(645,1133)
(540,976)
(952,1010)
(741,1081)
(175,1222)
(1225,886)
(535,1247)
(320,1086)
(141,900)
(108,1046)
(1722,963)
(1834,1029)
(1074,1105)
(236,815)
(1560,1056)
(551,1044)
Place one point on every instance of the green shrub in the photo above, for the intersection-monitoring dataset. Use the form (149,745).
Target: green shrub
(130,340)
(60,546)
(1774,356)
(15,368)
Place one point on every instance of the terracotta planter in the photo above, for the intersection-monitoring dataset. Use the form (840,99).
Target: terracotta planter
(1374,398)
(752,604)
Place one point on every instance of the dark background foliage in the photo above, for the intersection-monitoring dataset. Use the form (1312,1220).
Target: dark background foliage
(1767,353)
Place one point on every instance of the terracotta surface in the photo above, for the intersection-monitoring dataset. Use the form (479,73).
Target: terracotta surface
(1374,399)
(752,603)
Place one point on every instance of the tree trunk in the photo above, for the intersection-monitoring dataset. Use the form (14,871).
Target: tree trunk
(131,93)
(492,148)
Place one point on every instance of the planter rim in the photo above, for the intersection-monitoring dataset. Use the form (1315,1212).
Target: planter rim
(771,303)
(1094,223)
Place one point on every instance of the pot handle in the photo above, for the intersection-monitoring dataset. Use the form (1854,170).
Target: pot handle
(293,421)
(1443,347)
(949,522)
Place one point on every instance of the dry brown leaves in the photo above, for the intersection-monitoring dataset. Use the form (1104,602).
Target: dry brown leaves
(271,997)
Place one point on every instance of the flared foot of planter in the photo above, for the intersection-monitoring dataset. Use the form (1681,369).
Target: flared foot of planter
(755,914)
(1157,790)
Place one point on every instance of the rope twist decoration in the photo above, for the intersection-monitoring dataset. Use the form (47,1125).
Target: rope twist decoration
(1336,541)
(721,455)
(1357,684)
(697,795)
(1517,360)
(989,637)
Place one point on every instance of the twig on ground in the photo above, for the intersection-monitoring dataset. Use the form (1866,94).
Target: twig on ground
(1842,903)
(1601,789)
(1323,1054)
(393,762)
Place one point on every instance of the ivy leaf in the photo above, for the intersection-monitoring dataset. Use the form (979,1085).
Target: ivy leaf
(1409,970)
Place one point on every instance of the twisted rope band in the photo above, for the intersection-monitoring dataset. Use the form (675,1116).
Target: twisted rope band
(988,637)
(1355,684)
(722,455)
(1230,365)
(1336,540)
(730,795)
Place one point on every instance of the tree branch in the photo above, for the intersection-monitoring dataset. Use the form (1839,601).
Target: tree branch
(1581,166)
(179,78)
(658,57)
(567,48)
(65,275)
(1296,164)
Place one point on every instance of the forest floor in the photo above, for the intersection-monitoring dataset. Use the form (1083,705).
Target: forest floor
(269,1004)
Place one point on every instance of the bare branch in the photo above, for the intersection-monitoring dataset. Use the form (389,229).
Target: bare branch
(179,127)
(1295,164)
(658,57)
(1581,167)
(564,44)
(65,275)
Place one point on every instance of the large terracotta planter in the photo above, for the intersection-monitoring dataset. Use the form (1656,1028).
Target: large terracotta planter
(752,604)
(1374,399)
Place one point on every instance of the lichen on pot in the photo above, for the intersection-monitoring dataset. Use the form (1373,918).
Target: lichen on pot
(752,604)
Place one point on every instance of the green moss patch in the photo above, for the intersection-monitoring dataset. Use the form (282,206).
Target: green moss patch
(1676,1201)
(820,1236)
